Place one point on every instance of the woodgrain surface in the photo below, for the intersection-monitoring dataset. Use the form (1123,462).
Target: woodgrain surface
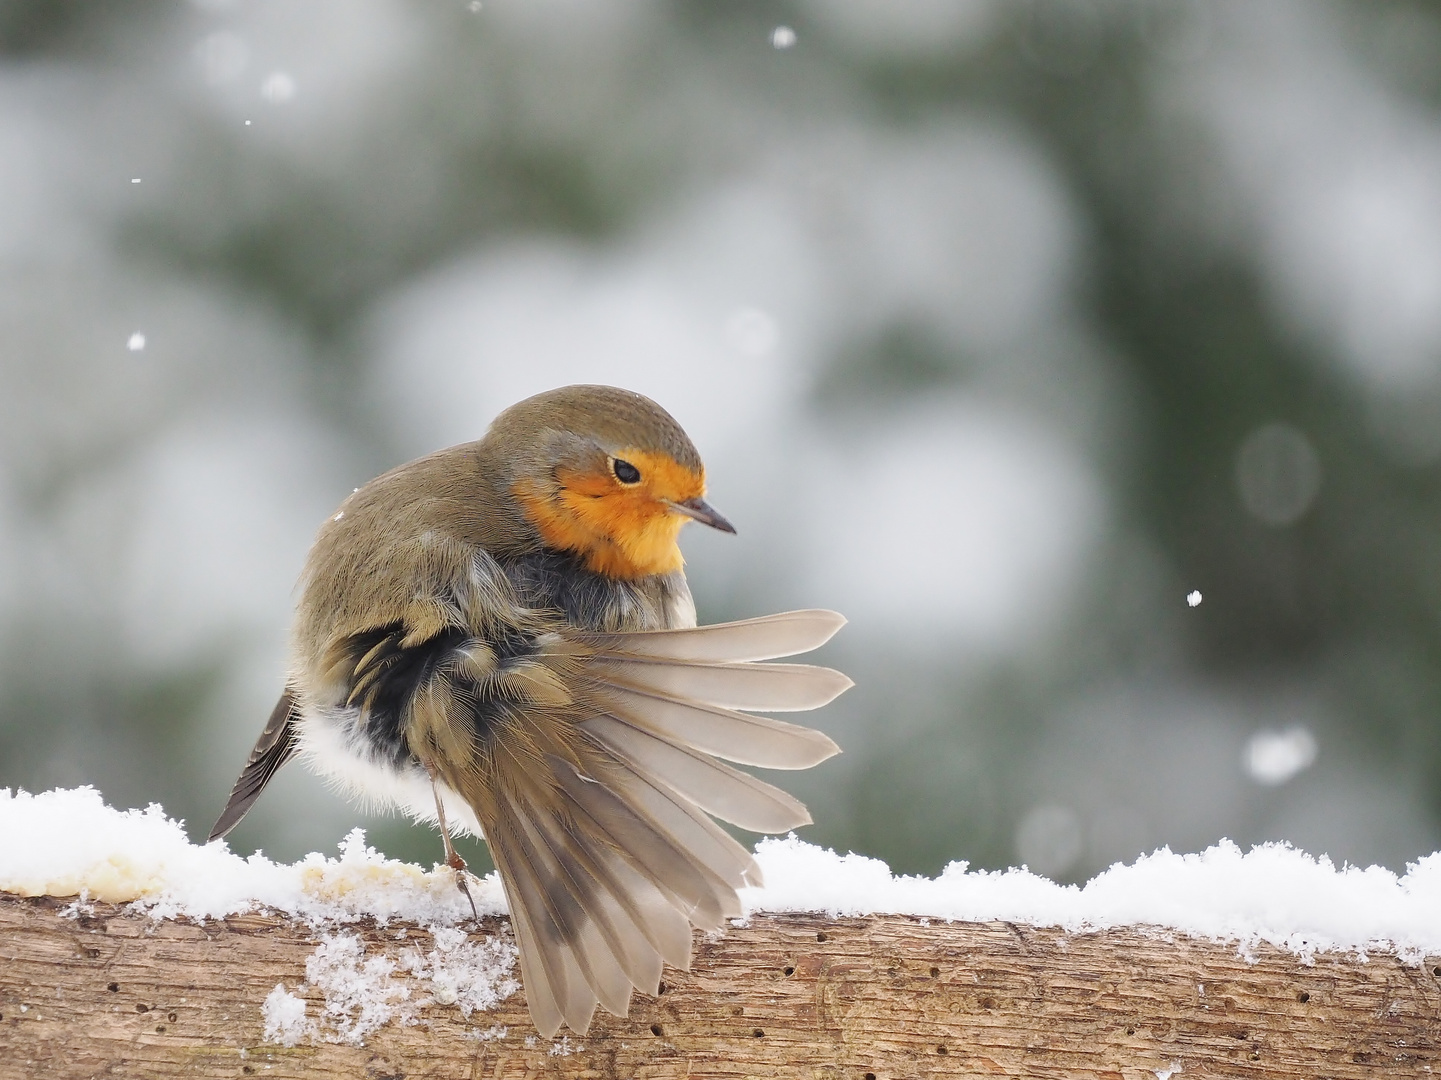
(111,994)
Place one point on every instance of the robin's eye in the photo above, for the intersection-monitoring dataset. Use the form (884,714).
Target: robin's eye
(625,472)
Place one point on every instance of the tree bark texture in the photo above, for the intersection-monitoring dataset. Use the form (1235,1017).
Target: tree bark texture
(115,994)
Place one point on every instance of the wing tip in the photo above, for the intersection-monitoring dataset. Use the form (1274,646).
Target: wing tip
(836,684)
(828,621)
(226,822)
(826,746)
(799,819)
(822,747)
(548,1026)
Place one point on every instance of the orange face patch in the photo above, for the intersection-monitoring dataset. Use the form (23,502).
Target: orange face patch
(621,530)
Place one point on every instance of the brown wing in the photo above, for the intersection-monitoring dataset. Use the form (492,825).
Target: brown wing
(590,762)
(274,748)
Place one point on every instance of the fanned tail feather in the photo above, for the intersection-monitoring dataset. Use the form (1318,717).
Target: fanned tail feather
(725,733)
(718,789)
(767,638)
(766,687)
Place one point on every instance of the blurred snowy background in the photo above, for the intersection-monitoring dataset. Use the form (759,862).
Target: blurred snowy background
(1002,327)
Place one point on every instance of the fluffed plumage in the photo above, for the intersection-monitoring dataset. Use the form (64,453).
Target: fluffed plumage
(504,627)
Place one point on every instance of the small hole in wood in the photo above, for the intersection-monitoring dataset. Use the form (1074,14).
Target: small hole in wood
(1255,1057)
(821,936)
(758,1033)
(248,1070)
(941,1050)
(114,988)
(656,1029)
(661,989)
(1303,997)
(870,1076)
(988,1003)
(171,1017)
(160,1029)
(1130,1031)
(142,1008)
(1242,1035)
(92,953)
(1436,972)
(736,1010)
(789,970)
(935,971)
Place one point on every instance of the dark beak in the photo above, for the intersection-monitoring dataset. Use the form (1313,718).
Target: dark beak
(702,511)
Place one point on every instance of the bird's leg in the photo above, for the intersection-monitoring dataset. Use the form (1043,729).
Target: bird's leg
(452,857)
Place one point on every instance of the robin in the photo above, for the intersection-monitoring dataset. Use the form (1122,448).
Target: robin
(499,638)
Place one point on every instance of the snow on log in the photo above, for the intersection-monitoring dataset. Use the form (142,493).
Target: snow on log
(127,951)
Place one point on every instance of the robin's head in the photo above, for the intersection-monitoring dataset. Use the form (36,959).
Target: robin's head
(605,473)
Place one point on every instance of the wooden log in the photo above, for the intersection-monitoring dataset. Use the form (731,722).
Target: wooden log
(115,994)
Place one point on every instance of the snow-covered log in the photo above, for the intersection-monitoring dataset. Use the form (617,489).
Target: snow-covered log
(181,961)
(115,994)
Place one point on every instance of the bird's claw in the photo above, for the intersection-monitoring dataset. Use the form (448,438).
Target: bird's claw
(456,863)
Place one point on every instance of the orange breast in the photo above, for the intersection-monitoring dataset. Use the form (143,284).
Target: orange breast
(622,531)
